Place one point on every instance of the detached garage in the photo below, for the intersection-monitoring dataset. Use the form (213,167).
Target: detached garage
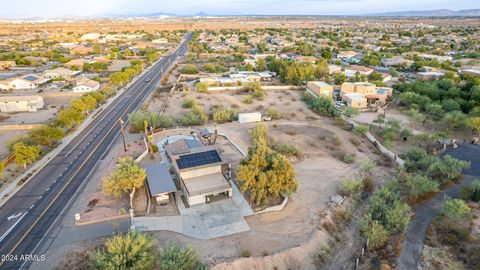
(160,184)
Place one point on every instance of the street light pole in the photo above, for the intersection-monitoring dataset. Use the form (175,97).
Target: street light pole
(122,130)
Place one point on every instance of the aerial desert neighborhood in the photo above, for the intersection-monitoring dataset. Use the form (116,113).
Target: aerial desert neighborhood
(240,135)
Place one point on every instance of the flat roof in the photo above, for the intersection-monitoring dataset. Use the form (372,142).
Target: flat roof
(159,179)
(198,159)
(206,184)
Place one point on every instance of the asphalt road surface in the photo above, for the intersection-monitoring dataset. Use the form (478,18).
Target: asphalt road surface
(30,215)
(412,248)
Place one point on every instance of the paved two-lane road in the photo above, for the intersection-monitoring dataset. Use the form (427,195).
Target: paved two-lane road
(27,217)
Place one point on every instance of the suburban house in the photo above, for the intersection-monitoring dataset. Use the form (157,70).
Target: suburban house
(349,56)
(320,89)
(200,170)
(430,75)
(21,103)
(60,72)
(363,94)
(6,65)
(351,71)
(396,61)
(81,50)
(35,60)
(85,85)
(28,81)
(78,63)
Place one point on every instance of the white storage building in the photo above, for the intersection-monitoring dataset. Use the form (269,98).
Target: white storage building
(249,117)
(21,103)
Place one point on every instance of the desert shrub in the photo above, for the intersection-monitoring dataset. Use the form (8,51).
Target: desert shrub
(322,255)
(254,89)
(321,105)
(472,191)
(196,116)
(177,258)
(350,187)
(201,87)
(349,158)
(419,186)
(248,99)
(456,210)
(273,113)
(189,69)
(360,130)
(188,103)
(132,251)
(288,149)
(225,115)
(154,120)
(246,253)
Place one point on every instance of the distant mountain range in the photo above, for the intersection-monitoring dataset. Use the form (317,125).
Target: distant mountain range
(429,13)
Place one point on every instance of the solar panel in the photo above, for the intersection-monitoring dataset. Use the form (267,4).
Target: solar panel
(198,159)
(31,78)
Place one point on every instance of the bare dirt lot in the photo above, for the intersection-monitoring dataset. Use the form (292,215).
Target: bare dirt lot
(287,102)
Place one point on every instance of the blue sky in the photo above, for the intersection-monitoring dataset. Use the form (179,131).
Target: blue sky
(63,8)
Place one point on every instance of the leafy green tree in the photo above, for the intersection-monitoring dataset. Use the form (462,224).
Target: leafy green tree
(131,251)
(78,105)
(69,117)
(126,178)
(261,65)
(154,120)
(321,71)
(45,135)
(90,103)
(266,174)
(25,154)
(322,105)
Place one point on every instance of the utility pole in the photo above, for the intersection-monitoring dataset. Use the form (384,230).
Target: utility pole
(122,130)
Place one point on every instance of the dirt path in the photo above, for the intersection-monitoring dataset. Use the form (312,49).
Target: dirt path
(424,214)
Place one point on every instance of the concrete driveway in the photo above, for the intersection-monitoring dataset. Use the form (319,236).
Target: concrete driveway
(207,221)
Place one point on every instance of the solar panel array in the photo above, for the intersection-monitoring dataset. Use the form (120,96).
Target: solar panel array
(198,159)
(31,78)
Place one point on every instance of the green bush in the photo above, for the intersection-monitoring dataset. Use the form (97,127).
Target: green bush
(247,99)
(350,187)
(177,258)
(255,89)
(154,120)
(225,115)
(195,117)
(360,130)
(289,149)
(189,69)
(246,253)
(273,113)
(188,103)
(202,87)
(349,158)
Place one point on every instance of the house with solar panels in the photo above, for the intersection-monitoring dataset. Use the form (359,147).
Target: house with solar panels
(29,81)
(200,171)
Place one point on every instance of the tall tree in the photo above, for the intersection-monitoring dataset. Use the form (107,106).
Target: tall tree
(25,154)
(127,177)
